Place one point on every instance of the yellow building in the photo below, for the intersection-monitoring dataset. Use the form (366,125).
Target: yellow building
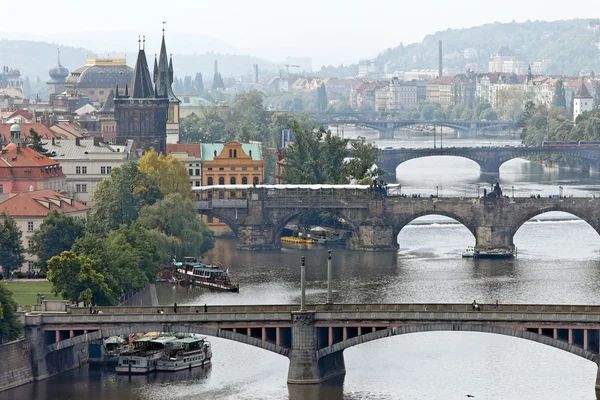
(231,163)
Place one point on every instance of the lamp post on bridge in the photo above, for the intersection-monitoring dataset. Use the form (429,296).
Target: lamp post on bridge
(437,191)
(477,191)
(303,286)
(513,191)
(329,289)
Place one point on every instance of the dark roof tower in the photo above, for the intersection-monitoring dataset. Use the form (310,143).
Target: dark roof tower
(155,72)
(142,84)
(162,78)
(583,92)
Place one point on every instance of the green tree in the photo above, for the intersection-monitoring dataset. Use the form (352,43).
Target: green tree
(75,279)
(249,120)
(218,82)
(362,164)
(331,159)
(559,99)
(36,143)
(11,248)
(302,156)
(170,173)
(10,327)
(119,199)
(199,84)
(176,228)
(57,233)
(322,98)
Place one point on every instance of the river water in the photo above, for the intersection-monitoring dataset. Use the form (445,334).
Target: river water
(558,262)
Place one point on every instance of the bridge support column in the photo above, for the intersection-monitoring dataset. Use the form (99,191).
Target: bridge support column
(598,384)
(35,335)
(496,238)
(387,133)
(490,167)
(305,367)
(259,236)
(374,235)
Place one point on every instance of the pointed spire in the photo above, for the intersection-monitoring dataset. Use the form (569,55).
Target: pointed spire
(58,51)
(117,91)
(144,43)
(155,68)
(164,73)
(142,84)
(171,69)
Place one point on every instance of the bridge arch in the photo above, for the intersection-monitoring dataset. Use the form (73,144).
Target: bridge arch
(176,328)
(226,219)
(296,213)
(402,223)
(566,208)
(458,327)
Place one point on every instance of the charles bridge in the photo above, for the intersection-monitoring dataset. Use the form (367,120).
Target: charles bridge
(257,215)
(489,159)
(313,339)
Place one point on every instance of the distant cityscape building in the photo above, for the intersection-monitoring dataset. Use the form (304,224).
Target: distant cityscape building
(190,156)
(58,78)
(440,91)
(97,77)
(583,101)
(367,68)
(11,78)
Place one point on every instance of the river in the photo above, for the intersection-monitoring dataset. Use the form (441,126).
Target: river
(558,262)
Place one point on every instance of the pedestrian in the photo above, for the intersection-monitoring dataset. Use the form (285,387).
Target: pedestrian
(474,304)
(158,311)
(497,305)
(175,307)
(205,308)
(91,309)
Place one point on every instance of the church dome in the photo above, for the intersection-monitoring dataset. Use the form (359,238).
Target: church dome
(15,128)
(102,74)
(58,73)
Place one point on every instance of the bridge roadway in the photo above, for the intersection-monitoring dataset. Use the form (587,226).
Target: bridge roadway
(313,340)
(258,215)
(489,159)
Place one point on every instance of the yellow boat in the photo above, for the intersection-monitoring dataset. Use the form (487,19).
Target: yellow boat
(293,239)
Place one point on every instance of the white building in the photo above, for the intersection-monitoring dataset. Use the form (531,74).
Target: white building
(85,162)
(190,155)
(582,102)
(470,53)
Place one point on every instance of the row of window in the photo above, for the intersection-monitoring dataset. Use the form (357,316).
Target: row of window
(82,170)
(232,168)
(81,188)
(191,172)
(232,181)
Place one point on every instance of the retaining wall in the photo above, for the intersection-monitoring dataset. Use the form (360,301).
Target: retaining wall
(15,365)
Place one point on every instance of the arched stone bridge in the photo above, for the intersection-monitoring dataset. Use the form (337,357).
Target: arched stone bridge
(313,340)
(258,215)
(386,129)
(489,158)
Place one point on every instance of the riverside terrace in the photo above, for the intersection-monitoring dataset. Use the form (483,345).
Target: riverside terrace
(258,214)
(489,159)
(313,339)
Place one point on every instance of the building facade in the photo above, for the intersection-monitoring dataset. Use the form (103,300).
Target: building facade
(58,78)
(29,210)
(190,155)
(440,91)
(85,162)
(582,102)
(97,77)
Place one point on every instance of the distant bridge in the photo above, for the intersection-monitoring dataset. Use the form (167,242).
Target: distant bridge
(489,158)
(314,340)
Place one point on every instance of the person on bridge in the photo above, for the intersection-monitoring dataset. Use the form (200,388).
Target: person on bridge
(175,308)
(497,307)
(205,308)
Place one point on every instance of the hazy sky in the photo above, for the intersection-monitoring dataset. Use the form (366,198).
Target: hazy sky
(332,31)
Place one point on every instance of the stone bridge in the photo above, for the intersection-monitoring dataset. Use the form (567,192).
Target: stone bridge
(314,340)
(258,215)
(386,129)
(489,159)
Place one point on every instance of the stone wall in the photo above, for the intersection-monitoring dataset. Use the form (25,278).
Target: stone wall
(15,368)
(145,297)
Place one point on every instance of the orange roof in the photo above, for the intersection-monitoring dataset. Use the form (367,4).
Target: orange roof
(41,129)
(39,203)
(24,162)
(192,149)
(72,129)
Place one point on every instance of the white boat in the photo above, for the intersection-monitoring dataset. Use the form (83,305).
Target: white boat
(144,356)
(194,272)
(186,353)
(469,252)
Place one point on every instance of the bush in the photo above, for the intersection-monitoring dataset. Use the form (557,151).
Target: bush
(42,274)
(19,275)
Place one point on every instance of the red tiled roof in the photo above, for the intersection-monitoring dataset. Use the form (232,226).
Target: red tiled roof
(192,149)
(39,203)
(22,162)
(69,128)
(23,113)
(442,81)
(41,129)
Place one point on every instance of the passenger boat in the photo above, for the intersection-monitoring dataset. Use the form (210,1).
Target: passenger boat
(469,252)
(494,253)
(144,356)
(194,272)
(186,353)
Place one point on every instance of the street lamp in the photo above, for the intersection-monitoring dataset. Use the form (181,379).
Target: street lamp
(437,192)
(477,191)
(560,192)
(513,192)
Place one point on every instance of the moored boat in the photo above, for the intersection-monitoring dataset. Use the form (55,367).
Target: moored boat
(194,272)
(186,353)
(494,253)
(469,253)
(144,356)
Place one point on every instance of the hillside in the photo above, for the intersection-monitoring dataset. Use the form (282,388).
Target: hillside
(567,46)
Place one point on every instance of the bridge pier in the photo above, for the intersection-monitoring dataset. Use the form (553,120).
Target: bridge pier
(305,367)
(259,236)
(386,133)
(494,238)
(374,235)
(490,167)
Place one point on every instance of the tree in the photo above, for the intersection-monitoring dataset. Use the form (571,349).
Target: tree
(218,82)
(171,175)
(10,327)
(75,279)
(322,98)
(362,165)
(11,248)
(176,228)
(331,159)
(187,84)
(119,199)
(209,127)
(57,233)
(199,84)
(248,118)
(36,143)
(302,156)
(559,99)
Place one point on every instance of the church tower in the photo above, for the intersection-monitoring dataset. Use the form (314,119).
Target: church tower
(57,83)
(163,79)
(583,101)
(142,117)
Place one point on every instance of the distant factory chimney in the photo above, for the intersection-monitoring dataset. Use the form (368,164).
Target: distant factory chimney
(441,71)
(255,70)
(216,67)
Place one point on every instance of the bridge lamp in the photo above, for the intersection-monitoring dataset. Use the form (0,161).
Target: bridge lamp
(437,191)
(477,191)
(513,192)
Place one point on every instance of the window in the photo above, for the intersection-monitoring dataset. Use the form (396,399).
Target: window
(105,170)
(244,180)
(29,243)
(232,180)
(30,265)
(190,172)
(256,168)
(81,188)
(78,170)
(1,188)
(101,92)
(255,180)
(210,219)
(209,168)
(197,171)
(230,153)
(30,226)
(235,153)
(209,182)
(197,183)
(221,181)
(221,169)
(233,168)
(244,168)
(81,170)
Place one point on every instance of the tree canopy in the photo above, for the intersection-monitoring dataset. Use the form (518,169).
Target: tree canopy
(10,327)
(169,172)
(11,248)
(56,234)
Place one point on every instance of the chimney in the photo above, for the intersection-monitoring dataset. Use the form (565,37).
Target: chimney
(18,148)
(77,142)
(53,141)
(441,71)
(97,140)
(216,67)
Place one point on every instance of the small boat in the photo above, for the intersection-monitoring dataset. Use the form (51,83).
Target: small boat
(293,239)
(494,253)
(194,272)
(186,353)
(144,356)
(469,252)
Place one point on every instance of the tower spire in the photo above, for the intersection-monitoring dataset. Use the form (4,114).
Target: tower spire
(144,43)
(164,22)
(58,51)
